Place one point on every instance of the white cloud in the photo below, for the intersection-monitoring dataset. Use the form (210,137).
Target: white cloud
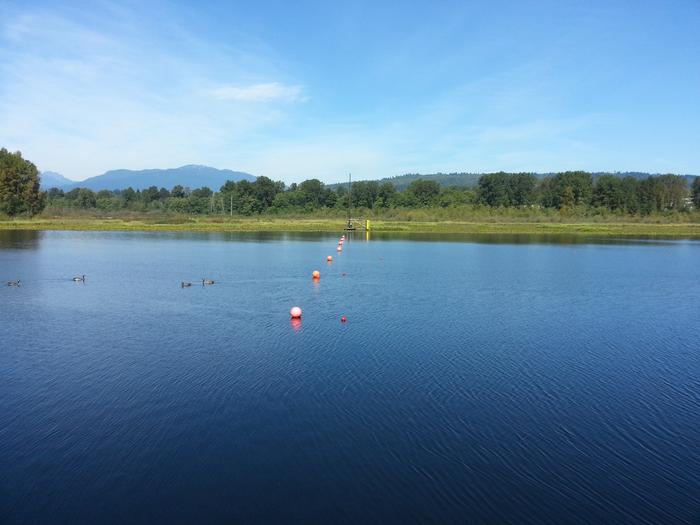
(81,102)
(268,92)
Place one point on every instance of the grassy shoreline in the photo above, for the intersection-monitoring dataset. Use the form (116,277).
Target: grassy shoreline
(273,224)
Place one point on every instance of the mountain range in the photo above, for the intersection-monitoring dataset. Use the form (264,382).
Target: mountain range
(51,179)
(190,176)
(196,176)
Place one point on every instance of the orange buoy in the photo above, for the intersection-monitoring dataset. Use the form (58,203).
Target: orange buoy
(340,248)
(316,274)
(295,312)
(343,319)
(329,258)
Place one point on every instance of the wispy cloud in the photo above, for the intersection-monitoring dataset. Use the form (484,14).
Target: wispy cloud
(81,100)
(268,92)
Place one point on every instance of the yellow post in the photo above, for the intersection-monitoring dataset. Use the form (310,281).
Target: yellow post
(367,224)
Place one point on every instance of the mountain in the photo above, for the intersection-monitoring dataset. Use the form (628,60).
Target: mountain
(470,180)
(51,179)
(190,176)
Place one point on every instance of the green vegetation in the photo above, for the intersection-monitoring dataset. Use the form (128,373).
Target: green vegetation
(330,224)
(568,194)
(501,202)
(19,185)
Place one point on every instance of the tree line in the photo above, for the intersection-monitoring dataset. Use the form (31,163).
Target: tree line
(574,190)
(562,191)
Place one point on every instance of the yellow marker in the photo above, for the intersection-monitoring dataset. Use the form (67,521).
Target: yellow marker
(367,224)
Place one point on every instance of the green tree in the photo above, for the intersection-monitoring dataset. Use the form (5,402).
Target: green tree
(85,198)
(202,193)
(571,188)
(424,191)
(696,192)
(386,194)
(19,185)
(608,192)
(492,189)
(506,189)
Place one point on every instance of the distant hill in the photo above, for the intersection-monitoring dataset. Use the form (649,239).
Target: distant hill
(190,176)
(51,179)
(470,180)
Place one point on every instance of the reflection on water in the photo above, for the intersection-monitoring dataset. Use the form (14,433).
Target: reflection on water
(20,239)
(31,239)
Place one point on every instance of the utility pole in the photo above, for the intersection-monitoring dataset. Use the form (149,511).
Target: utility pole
(349,196)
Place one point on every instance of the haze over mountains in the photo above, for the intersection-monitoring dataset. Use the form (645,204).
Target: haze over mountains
(191,176)
(51,179)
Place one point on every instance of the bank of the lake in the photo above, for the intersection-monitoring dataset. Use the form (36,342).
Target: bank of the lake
(274,224)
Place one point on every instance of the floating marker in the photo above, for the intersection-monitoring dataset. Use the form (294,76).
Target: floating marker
(343,319)
(329,258)
(316,274)
(340,248)
(295,312)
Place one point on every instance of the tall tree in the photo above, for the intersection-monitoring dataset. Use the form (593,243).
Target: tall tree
(424,191)
(696,192)
(19,185)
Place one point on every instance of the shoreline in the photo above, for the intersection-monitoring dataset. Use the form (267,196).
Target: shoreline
(671,230)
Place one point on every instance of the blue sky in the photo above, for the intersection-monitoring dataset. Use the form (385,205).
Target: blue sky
(295,90)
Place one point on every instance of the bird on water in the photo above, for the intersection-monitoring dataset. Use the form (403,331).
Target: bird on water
(79,279)
(207,281)
(13,283)
(183,284)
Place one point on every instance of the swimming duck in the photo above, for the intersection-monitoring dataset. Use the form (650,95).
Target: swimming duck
(13,283)
(183,284)
(80,279)
(207,281)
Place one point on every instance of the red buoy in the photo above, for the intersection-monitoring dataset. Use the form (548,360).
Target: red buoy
(343,319)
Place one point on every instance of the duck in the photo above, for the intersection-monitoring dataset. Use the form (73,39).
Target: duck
(207,281)
(13,283)
(80,279)
(183,284)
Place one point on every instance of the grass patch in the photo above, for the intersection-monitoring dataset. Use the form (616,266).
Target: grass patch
(332,224)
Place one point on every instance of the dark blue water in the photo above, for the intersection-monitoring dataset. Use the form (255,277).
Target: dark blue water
(473,382)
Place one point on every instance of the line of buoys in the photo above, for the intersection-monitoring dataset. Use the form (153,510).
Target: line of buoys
(341,241)
(295,311)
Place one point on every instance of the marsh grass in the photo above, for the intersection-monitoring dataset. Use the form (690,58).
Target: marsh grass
(406,221)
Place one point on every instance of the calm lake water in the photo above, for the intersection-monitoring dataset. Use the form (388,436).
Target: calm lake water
(519,380)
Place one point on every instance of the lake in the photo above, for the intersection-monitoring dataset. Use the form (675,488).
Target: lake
(477,379)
